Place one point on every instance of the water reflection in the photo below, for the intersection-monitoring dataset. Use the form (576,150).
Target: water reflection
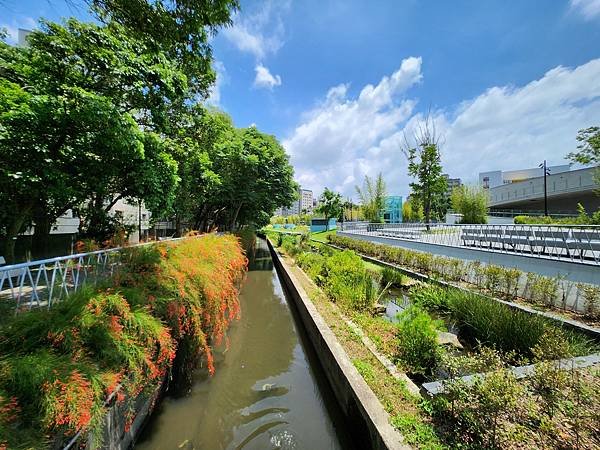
(264,394)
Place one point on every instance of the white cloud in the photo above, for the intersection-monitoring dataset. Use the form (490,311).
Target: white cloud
(335,144)
(512,128)
(259,32)
(215,93)
(590,9)
(12,28)
(505,127)
(264,78)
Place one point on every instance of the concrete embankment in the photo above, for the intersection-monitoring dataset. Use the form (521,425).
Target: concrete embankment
(362,409)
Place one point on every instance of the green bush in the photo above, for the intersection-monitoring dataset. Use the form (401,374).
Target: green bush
(418,349)
(494,324)
(583,218)
(500,281)
(475,410)
(471,202)
(392,277)
(290,246)
(312,264)
(429,296)
(345,279)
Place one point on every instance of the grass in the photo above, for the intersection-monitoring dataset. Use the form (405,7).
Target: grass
(427,426)
(391,392)
(322,236)
(509,330)
(297,228)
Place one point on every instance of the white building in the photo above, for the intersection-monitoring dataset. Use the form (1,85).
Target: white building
(304,204)
(451,183)
(305,201)
(131,214)
(497,178)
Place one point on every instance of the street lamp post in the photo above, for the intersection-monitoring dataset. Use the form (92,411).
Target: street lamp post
(546,173)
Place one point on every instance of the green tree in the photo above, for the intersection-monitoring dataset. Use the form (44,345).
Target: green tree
(199,130)
(424,164)
(372,196)
(588,149)
(471,202)
(412,211)
(71,105)
(330,205)
(257,178)
(181,29)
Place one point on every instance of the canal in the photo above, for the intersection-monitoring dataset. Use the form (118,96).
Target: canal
(268,391)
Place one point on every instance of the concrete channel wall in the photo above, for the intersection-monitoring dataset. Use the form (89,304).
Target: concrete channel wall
(578,273)
(117,434)
(362,409)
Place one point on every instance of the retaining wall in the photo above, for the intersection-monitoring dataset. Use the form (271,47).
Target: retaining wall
(358,403)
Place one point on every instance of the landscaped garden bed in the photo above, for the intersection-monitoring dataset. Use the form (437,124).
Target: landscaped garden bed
(530,289)
(156,318)
(445,334)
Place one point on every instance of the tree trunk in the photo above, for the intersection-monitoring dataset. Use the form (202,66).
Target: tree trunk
(41,234)
(13,230)
(178,229)
(234,220)
(427,211)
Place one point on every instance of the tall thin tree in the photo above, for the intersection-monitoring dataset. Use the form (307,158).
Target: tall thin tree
(424,164)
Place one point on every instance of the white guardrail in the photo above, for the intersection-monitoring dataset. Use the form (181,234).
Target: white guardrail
(575,243)
(44,282)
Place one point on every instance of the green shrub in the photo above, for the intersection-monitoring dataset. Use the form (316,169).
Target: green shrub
(510,282)
(392,277)
(583,218)
(500,326)
(429,296)
(591,295)
(492,278)
(312,264)
(418,349)
(542,290)
(478,411)
(471,202)
(290,246)
(345,279)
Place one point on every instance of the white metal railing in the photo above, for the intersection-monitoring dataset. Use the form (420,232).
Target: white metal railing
(44,282)
(576,243)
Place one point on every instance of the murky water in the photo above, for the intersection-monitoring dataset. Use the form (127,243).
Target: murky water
(268,391)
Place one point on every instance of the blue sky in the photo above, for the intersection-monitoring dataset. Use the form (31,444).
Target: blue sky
(508,83)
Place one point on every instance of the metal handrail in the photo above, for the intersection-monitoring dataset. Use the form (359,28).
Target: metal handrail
(574,243)
(45,281)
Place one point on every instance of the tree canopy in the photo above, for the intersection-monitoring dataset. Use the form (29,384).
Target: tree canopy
(372,197)
(181,29)
(424,165)
(94,113)
(588,149)
(330,205)
(471,202)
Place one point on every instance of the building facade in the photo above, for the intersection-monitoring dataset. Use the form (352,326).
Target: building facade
(497,178)
(303,205)
(392,212)
(564,190)
(305,201)
(452,183)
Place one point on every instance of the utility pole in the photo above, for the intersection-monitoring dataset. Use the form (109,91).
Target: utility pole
(139,221)
(546,173)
